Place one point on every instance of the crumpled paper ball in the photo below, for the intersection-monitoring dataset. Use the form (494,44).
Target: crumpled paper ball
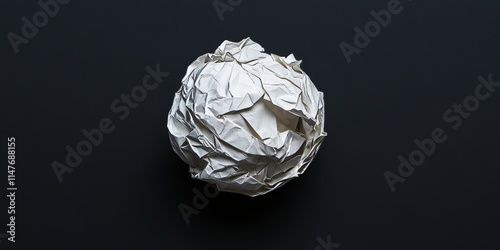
(245,120)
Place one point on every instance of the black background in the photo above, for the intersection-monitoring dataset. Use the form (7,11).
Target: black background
(125,195)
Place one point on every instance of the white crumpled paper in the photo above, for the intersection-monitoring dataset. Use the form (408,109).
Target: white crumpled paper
(245,120)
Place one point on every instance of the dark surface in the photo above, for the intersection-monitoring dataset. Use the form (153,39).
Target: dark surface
(125,195)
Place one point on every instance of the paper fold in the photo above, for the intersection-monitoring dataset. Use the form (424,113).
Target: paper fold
(245,120)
